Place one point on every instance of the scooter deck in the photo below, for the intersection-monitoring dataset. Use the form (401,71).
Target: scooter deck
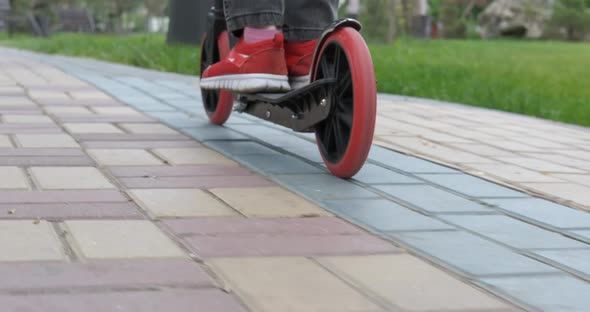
(299,109)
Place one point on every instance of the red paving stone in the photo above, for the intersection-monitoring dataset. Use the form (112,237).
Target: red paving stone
(178,171)
(106,273)
(101,119)
(46,161)
(241,237)
(253,245)
(78,102)
(280,226)
(21,111)
(46,130)
(77,196)
(139,144)
(196,182)
(70,211)
(131,137)
(41,152)
(26,126)
(206,300)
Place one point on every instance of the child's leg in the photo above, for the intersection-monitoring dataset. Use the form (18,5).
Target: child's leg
(240,14)
(305,21)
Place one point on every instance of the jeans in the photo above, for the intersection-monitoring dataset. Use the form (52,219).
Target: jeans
(302,19)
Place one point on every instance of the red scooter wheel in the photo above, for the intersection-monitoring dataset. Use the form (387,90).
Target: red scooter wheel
(217,104)
(345,137)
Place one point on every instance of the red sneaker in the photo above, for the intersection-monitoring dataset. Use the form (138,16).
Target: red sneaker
(250,68)
(299,57)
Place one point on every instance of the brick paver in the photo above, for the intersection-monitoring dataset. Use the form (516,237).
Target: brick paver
(520,151)
(127,199)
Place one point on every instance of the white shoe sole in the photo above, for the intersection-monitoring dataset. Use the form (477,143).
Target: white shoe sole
(299,82)
(247,83)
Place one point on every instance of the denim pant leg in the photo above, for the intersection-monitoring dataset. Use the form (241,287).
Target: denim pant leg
(307,19)
(304,19)
(253,13)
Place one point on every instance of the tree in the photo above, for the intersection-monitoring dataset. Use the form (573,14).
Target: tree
(572,16)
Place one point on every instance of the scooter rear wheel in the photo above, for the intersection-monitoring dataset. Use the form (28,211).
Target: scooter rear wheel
(345,137)
(217,104)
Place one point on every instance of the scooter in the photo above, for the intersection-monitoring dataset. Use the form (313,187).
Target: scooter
(339,103)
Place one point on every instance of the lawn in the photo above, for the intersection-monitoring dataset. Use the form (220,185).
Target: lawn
(545,79)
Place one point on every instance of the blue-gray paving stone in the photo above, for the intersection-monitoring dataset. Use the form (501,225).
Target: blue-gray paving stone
(384,215)
(405,163)
(184,122)
(308,151)
(576,259)
(471,186)
(155,108)
(560,293)
(373,174)
(184,102)
(471,254)
(583,234)
(171,95)
(513,232)
(213,133)
(241,148)
(258,131)
(323,187)
(432,199)
(277,164)
(544,211)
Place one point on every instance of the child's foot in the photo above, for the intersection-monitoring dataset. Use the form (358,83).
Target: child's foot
(250,68)
(299,57)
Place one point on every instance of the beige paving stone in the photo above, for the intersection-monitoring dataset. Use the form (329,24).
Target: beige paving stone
(576,193)
(90,94)
(583,179)
(29,240)
(192,156)
(12,101)
(46,140)
(539,165)
(13,178)
(482,149)
(410,283)
(116,110)
(562,160)
(92,128)
(578,154)
(5,141)
(268,202)
(123,157)
(513,146)
(289,284)
(60,178)
(48,94)
(65,110)
(180,203)
(512,173)
(147,128)
(27,119)
(543,143)
(110,239)
(437,151)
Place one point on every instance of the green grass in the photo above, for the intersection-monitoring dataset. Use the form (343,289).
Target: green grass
(545,79)
(148,51)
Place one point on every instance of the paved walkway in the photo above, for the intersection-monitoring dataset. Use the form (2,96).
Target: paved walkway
(117,194)
(540,157)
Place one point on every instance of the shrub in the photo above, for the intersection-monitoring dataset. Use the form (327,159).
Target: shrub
(573,17)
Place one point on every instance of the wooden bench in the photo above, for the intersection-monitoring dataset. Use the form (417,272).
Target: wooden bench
(76,20)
